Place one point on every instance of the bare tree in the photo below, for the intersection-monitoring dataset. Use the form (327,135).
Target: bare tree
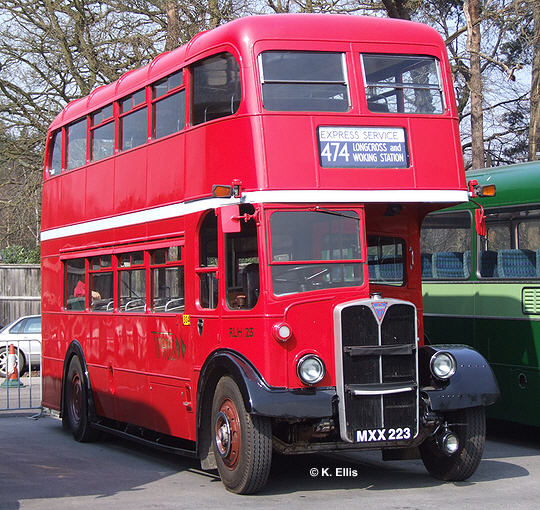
(534,125)
(472,10)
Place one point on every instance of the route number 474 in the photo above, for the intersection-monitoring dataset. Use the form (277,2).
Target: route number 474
(334,150)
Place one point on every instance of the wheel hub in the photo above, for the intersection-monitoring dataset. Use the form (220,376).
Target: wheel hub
(227,433)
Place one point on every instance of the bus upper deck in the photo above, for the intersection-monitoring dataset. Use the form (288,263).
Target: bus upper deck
(293,116)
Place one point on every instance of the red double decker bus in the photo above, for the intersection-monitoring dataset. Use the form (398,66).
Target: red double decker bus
(231,259)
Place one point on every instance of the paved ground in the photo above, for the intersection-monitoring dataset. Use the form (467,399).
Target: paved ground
(25,395)
(43,468)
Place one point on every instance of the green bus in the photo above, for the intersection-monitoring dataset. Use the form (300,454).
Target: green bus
(485,291)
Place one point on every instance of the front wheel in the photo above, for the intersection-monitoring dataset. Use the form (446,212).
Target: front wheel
(241,442)
(76,403)
(470,427)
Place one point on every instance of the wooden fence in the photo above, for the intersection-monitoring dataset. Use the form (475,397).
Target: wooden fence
(20,291)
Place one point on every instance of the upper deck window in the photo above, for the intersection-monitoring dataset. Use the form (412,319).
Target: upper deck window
(55,155)
(305,81)
(168,106)
(102,133)
(216,88)
(76,150)
(403,84)
(133,120)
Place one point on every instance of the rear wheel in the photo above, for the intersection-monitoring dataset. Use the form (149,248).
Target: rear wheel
(76,403)
(470,427)
(241,442)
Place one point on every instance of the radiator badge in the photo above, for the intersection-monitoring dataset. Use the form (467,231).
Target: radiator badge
(380,307)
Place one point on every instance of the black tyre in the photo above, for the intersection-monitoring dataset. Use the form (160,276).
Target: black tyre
(470,426)
(241,442)
(76,403)
(21,361)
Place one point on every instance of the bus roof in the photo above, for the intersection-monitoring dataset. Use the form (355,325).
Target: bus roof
(243,33)
(516,184)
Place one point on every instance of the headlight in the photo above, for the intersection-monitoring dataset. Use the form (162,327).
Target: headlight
(310,369)
(443,365)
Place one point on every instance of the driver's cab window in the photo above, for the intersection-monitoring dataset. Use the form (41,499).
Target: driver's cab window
(208,262)
(242,263)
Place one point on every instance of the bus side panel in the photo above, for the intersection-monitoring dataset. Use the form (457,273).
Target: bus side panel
(170,360)
(510,340)
(165,175)
(218,153)
(100,187)
(53,342)
(129,181)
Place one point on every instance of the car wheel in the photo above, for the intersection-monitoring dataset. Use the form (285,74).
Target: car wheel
(470,427)
(76,403)
(21,361)
(241,442)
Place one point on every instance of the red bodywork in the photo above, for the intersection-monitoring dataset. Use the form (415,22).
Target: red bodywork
(267,151)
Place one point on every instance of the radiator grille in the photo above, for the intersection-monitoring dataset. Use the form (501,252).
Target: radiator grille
(378,352)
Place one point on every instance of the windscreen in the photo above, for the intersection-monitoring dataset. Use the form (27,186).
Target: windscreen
(314,250)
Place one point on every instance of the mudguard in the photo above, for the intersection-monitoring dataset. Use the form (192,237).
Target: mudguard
(259,397)
(472,385)
(75,349)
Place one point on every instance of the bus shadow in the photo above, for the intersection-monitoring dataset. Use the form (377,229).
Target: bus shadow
(370,472)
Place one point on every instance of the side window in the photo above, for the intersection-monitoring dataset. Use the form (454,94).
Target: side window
(242,264)
(216,88)
(55,153)
(167,280)
(168,106)
(18,328)
(101,284)
(76,149)
(208,262)
(446,246)
(74,284)
(33,325)
(102,133)
(386,260)
(131,282)
(511,249)
(133,120)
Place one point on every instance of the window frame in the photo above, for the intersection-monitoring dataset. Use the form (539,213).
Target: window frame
(102,123)
(345,82)
(81,120)
(170,92)
(168,264)
(193,110)
(395,86)
(134,109)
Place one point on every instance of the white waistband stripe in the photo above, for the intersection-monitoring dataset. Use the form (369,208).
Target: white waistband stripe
(278,196)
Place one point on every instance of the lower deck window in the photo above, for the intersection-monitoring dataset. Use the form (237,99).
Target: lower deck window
(386,260)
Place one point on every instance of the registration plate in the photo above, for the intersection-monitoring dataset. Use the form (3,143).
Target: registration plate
(375,435)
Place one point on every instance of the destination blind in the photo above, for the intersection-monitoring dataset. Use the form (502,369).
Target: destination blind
(362,147)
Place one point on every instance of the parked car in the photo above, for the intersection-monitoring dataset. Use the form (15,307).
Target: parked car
(25,334)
